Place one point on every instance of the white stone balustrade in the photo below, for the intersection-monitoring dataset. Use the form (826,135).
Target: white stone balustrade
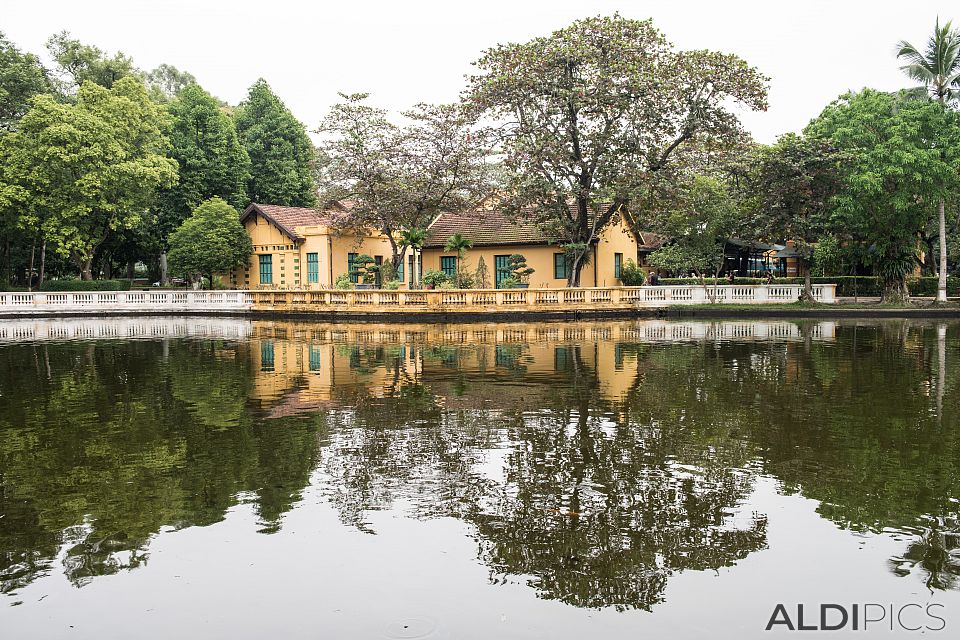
(384,301)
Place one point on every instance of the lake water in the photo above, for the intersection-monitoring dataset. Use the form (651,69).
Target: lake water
(227,478)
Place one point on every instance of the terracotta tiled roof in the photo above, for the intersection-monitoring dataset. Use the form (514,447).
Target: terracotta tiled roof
(484,228)
(488,228)
(289,218)
(650,241)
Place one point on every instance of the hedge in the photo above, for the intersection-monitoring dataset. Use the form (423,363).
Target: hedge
(847,286)
(71,284)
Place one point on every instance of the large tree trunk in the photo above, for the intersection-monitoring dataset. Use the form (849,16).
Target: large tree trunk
(43,262)
(942,282)
(164,277)
(33,250)
(895,292)
(86,269)
(807,294)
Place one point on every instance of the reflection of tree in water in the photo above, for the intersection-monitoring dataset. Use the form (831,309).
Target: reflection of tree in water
(852,424)
(596,512)
(110,442)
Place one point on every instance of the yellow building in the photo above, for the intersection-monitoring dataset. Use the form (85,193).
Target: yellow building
(299,248)
(495,237)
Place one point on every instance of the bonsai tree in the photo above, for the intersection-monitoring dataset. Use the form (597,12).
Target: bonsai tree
(364,267)
(433,279)
(518,271)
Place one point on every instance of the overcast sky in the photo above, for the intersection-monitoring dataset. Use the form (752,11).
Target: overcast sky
(403,52)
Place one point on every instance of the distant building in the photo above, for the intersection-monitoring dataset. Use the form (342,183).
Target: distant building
(298,248)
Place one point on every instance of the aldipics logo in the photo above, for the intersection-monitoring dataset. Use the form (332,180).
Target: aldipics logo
(868,616)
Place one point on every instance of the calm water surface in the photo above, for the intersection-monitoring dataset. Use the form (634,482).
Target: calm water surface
(188,478)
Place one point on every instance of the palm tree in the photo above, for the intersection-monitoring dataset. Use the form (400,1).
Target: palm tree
(937,67)
(415,239)
(461,245)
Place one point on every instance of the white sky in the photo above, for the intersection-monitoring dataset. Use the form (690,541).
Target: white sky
(407,51)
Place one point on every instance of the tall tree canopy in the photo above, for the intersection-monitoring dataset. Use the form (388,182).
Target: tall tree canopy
(789,188)
(588,113)
(402,177)
(281,154)
(78,63)
(78,172)
(901,156)
(22,76)
(937,67)
(210,241)
(166,82)
(212,161)
(697,223)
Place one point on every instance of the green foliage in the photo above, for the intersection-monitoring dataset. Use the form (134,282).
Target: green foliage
(401,177)
(343,281)
(212,161)
(595,110)
(631,275)
(517,269)
(281,154)
(73,284)
(434,278)
(210,241)
(365,268)
(789,188)
(481,277)
(78,63)
(166,82)
(901,156)
(22,76)
(81,171)
(697,225)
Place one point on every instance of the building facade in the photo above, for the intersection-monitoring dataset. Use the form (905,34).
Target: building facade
(496,237)
(299,248)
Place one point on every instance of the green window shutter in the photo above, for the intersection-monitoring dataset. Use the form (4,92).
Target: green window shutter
(448,264)
(560,266)
(266,268)
(354,276)
(313,268)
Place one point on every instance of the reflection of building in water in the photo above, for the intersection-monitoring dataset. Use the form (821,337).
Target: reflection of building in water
(301,367)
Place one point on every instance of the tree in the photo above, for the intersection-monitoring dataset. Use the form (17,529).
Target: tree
(79,172)
(697,227)
(459,244)
(210,241)
(789,189)
(22,76)
(938,68)
(901,155)
(413,238)
(401,178)
(212,161)
(588,114)
(166,82)
(281,154)
(78,63)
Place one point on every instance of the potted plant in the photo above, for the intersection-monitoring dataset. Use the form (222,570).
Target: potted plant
(433,279)
(518,273)
(365,268)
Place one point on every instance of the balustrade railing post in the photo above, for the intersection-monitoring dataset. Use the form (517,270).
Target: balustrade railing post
(761,293)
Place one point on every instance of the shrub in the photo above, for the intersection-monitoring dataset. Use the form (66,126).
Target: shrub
(73,284)
(434,278)
(343,282)
(517,269)
(631,275)
(391,285)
